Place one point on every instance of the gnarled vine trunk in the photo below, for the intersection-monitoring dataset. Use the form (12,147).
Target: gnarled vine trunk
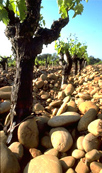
(75,60)
(66,68)
(81,65)
(27,40)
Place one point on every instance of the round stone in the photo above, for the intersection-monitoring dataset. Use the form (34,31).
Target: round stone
(28,134)
(17,149)
(66,99)
(61,95)
(62,109)
(3,137)
(96,167)
(69,89)
(5,106)
(52,76)
(5,95)
(85,106)
(44,163)
(82,167)
(93,155)
(43,76)
(6,88)
(85,96)
(95,127)
(85,120)
(67,162)
(39,84)
(45,96)
(66,118)
(79,142)
(64,139)
(55,103)
(38,107)
(78,154)
(34,152)
(91,142)
(8,161)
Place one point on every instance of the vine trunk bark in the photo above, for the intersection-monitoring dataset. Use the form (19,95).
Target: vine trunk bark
(27,39)
(66,68)
(24,99)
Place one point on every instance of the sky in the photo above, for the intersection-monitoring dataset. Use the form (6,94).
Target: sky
(87,27)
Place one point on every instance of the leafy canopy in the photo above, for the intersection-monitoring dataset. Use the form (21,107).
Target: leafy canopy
(19,9)
(17,6)
(67,5)
(73,46)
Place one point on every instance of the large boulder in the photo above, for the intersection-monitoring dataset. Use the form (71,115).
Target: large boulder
(28,134)
(44,163)
(17,149)
(8,161)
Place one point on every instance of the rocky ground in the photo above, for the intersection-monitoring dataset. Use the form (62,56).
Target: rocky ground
(65,135)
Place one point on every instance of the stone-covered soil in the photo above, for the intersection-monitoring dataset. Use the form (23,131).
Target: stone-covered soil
(64,132)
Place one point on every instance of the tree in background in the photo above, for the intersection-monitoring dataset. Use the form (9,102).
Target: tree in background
(46,59)
(93,60)
(27,36)
(54,59)
(43,59)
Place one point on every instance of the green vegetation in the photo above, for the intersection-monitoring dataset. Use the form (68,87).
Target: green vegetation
(75,52)
(19,8)
(73,46)
(65,6)
(9,60)
(93,60)
(47,59)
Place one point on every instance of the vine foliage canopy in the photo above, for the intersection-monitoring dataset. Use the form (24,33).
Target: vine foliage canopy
(19,8)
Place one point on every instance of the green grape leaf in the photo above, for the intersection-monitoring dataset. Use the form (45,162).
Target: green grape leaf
(66,5)
(59,2)
(22,9)
(12,6)
(63,11)
(44,22)
(78,9)
(4,16)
